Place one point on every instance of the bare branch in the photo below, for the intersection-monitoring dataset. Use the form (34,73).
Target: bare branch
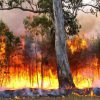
(89,5)
(27,5)
(25,9)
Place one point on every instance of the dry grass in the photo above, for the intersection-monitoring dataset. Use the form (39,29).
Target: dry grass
(71,97)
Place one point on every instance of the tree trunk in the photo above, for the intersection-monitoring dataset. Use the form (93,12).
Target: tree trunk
(64,73)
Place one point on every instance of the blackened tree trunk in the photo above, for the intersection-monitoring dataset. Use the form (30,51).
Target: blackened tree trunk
(64,73)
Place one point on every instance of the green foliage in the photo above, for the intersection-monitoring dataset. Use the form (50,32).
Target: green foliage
(46,5)
(46,30)
(45,21)
(11,40)
(13,3)
(41,20)
(11,43)
(71,24)
(3,27)
(73,2)
(10,36)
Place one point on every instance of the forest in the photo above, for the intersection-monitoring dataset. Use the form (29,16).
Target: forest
(53,58)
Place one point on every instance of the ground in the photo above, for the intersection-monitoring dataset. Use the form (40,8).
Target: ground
(71,97)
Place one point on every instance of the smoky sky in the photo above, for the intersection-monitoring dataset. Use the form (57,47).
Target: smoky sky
(90,24)
(14,20)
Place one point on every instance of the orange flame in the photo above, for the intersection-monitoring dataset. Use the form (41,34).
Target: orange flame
(30,76)
(87,74)
(77,44)
(21,77)
(2,49)
(87,71)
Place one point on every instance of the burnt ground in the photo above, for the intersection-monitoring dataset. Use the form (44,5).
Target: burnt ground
(70,97)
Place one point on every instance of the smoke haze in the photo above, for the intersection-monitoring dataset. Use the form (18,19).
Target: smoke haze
(90,24)
(14,20)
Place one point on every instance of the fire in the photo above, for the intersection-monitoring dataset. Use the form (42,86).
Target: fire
(21,77)
(25,75)
(87,71)
(2,49)
(35,75)
(87,74)
(77,44)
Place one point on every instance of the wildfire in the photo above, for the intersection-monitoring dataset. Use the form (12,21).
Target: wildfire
(77,44)
(86,75)
(35,75)
(22,77)
(2,49)
(25,75)
(87,71)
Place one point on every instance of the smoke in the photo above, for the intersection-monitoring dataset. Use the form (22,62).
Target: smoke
(90,24)
(14,19)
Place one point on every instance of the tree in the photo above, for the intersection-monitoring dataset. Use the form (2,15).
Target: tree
(11,43)
(47,29)
(3,27)
(64,73)
(70,9)
(11,40)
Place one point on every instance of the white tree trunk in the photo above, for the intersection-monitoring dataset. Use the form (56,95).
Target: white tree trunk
(64,73)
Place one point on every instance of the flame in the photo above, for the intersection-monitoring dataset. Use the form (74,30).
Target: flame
(87,74)
(22,77)
(2,50)
(77,44)
(18,75)
(41,76)
(87,71)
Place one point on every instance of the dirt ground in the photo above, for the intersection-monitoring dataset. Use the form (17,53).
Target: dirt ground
(71,97)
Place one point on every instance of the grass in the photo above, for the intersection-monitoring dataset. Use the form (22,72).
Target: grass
(71,97)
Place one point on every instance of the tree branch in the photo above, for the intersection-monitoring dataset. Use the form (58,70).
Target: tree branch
(25,9)
(89,5)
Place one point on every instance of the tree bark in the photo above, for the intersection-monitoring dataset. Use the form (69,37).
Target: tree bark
(64,72)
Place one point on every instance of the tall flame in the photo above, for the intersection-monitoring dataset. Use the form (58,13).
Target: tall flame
(36,75)
(87,71)
(87,74)
(28,77)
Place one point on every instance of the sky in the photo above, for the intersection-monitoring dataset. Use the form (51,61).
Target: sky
(14,20)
